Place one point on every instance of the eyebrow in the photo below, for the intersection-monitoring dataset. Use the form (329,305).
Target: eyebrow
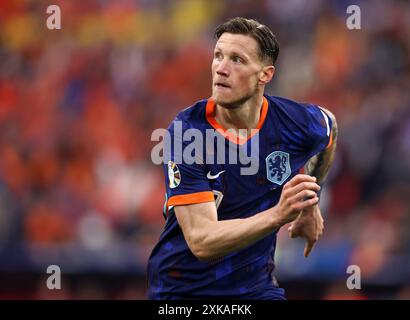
(234,53)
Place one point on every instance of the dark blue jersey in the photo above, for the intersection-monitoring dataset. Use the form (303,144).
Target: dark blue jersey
(288,134)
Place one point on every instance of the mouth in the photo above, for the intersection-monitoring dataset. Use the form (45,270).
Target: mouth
(221,85)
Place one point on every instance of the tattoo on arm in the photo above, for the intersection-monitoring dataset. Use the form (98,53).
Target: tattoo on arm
(319,165)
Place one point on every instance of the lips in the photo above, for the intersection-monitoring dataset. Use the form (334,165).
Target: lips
(221,85)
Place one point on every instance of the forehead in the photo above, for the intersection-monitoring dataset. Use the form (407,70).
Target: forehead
(238,43)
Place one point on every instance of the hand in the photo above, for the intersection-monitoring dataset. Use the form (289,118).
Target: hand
(309,225)
(297,194)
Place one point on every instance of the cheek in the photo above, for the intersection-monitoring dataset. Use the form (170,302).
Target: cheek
(248,80)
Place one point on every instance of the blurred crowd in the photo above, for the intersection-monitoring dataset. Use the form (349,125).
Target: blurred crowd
(78,106)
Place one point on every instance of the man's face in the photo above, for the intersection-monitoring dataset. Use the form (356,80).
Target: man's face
(236,69)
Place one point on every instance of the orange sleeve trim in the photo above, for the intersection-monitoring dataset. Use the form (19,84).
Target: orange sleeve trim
(330,140)
(191,198)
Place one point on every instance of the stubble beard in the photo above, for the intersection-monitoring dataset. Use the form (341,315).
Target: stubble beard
(238,102)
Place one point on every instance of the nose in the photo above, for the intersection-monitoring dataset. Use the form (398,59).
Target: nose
(221,68)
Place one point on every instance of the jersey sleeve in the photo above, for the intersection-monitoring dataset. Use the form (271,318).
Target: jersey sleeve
(320,129)
(186,182)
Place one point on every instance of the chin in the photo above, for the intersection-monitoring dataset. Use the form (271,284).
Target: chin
(223,100)
(225,103)
(231,103)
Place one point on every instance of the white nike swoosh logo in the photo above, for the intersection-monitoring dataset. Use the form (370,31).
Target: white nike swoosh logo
(210,176)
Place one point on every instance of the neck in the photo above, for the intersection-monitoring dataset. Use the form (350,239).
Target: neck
(244,116)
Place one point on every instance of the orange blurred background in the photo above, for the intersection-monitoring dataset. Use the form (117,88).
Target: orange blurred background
(78,105)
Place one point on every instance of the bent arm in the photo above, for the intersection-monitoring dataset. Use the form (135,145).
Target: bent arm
(209,238)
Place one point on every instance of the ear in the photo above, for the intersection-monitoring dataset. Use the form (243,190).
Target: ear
(266,74)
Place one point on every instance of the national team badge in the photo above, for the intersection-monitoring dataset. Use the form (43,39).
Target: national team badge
(174,175)
(278,167)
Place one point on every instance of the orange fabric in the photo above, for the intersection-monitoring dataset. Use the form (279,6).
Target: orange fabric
(330,140)
(210,116)
(191,198)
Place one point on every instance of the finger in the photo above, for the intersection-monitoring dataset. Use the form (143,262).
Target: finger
(308,248)
(293,233)
(298,179)
(304,186)
(290,231)
(305,204)
(302,196)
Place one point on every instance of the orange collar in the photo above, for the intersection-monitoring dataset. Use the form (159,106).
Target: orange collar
(210,116)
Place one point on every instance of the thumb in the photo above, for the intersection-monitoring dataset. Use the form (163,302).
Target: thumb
(308,247)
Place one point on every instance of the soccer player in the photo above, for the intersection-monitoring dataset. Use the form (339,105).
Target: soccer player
(221,224)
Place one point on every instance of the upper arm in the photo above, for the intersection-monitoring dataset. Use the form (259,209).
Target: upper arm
(189,192)
(334,129)
(194,220)
(319,164)
(321,124)
(186,183)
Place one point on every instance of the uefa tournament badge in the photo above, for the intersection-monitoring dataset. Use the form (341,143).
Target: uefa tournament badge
(174,175)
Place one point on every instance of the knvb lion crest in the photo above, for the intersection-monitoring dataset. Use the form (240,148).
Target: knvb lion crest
(278,167)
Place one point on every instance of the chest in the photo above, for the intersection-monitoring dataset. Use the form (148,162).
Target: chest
(246,173)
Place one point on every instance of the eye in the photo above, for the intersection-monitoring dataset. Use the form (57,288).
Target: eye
(218,56)
(237,59)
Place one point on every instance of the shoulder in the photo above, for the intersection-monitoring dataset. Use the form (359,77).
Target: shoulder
(291,108)
(301,114)
(301,122)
